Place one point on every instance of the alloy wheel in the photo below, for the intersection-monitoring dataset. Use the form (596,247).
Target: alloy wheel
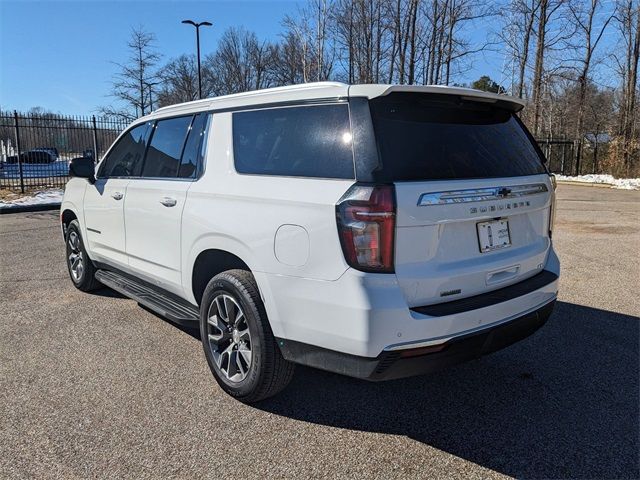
(229,337)
(76,259)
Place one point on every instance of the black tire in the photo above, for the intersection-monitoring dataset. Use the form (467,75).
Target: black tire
(84,280)
(268,372)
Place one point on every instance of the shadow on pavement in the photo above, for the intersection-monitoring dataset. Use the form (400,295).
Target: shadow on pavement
(191,331)
(562,403)
(107,292)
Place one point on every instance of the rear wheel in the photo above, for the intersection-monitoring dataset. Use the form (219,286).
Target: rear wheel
(237,339)
(81,269)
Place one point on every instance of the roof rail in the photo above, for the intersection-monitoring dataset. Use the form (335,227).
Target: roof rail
(251,93)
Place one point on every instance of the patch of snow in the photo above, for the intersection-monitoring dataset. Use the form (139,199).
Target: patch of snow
(45,197)
(622,183)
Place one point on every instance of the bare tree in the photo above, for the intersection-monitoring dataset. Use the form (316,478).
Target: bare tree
(447,37)
(241,63)
(590,36)
(133,84)
(432,16)
(599,114)
(324,53)
(537,73)
(299,44)
(289,65)
(309,32)
(517,36)
(355,26)
(546,9)
(180,81)
(628,26)
(404,15)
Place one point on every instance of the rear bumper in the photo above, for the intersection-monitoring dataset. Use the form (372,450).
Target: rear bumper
(366,314)
(421,360)
(494,297)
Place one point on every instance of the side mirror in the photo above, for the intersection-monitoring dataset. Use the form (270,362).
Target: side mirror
(83,167)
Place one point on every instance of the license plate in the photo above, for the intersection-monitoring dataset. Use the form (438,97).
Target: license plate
(493,235)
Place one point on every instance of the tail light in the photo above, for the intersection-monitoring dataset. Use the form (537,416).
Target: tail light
(366,217)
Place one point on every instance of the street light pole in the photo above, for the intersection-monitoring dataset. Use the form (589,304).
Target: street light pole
(198,25)
(198,55)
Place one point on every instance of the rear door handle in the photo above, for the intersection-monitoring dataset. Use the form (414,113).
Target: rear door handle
(168,202)
(117,196)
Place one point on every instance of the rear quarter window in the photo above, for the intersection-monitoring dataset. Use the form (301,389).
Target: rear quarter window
(437,137)
(305,141)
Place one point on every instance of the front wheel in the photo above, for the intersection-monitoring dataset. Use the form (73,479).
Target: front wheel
(81,269)
(237,339)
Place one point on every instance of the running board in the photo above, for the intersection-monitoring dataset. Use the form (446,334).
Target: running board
(173,309)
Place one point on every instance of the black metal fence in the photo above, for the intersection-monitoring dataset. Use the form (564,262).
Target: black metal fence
(35,150)
(561,156)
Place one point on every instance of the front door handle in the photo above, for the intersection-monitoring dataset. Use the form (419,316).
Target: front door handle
(168,202)
(117,196)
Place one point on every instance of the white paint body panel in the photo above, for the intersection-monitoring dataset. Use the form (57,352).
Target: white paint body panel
(154,230)
(73,200)
(364,314)
(437,247)
(291,245)
(284,229)
(104,220)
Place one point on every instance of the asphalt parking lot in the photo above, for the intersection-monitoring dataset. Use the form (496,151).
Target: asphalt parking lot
(95,386)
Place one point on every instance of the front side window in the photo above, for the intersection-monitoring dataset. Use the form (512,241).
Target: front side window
(165,149)
(125,158)
(306,141)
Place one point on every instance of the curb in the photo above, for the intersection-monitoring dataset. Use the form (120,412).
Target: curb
(29,208)
(585,184)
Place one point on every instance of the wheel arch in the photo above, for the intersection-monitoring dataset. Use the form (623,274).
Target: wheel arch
(208,264)
(67,215)
(215,253)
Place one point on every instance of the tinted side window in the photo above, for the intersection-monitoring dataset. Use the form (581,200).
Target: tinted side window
(195,147)
(312,141)
(125,158)
(165,149)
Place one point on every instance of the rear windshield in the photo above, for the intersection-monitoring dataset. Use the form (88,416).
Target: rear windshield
(439,137)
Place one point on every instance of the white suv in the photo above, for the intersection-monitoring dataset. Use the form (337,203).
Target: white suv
(371,230)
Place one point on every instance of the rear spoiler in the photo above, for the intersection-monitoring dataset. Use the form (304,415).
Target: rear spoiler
(372,91)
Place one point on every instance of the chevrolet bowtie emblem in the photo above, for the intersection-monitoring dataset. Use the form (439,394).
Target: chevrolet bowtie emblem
(504,192)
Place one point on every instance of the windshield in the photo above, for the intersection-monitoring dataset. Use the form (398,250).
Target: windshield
(438,137)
